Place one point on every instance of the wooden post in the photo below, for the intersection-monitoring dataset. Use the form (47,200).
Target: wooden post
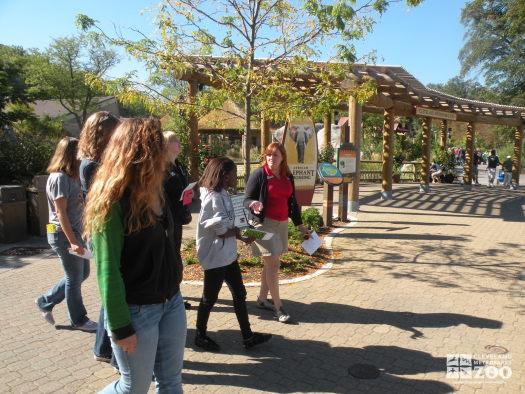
(355,112)
(328,190)
(469,155)
(343,187)
(265,133)
(518,140)
(425,156)
(193,130)
(443,135)
(388,154)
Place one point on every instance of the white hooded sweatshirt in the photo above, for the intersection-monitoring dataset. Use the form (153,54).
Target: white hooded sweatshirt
(215,218)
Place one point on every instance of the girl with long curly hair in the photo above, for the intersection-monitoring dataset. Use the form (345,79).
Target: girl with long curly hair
(94,137)
(138,268)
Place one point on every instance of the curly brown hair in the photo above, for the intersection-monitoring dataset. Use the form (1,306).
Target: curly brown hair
(134,161)
(95,135)
(65,158)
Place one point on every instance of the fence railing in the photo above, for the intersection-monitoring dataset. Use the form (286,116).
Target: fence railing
(371,171)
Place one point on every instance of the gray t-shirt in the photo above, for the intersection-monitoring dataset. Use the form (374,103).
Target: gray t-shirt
(59,184)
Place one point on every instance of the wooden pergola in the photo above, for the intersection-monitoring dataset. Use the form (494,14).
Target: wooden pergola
(398,94)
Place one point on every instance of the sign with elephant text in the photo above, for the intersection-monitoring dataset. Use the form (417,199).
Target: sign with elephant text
(300,143)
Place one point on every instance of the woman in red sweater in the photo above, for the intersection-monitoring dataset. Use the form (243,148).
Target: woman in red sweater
(270,196)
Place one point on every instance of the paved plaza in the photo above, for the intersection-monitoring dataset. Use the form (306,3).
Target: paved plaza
(415,280)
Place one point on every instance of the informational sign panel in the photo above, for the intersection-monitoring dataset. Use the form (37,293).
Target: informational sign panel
(330,174)
(300,143)
(347,161)
(432,113)
(241,213)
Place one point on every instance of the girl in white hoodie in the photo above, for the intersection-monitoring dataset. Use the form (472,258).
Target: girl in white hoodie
(217,252)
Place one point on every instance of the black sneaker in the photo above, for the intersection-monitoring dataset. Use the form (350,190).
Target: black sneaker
(281,315)
(256,339)
(265,304)
(206,343)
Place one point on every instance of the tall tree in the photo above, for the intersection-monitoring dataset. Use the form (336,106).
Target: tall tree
(285,33)
(15,93)
(496,45)
(63,69)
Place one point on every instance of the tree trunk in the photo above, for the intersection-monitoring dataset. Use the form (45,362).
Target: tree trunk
(247,136)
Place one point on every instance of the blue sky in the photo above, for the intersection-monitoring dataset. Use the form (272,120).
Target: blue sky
(424,40)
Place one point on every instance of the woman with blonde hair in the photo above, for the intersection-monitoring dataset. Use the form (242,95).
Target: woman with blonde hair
(94,137)
(138,268)
(270,196)
(64,230)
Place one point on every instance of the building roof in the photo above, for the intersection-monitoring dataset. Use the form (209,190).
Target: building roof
(228,117)
(54,109)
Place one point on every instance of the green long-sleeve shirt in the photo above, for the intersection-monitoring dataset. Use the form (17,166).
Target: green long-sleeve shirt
(139,268)
(107,247)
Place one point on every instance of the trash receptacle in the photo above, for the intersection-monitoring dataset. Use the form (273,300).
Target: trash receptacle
(13,213)
(38,211)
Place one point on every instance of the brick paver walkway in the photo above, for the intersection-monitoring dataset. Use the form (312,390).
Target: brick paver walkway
(417,278)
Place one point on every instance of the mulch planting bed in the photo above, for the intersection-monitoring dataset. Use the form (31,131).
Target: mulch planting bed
(295,263)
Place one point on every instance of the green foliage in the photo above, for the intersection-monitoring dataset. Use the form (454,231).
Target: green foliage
(326,154)
(495,45)
(312,219)
(24,155)
(65,70)
(252,261)
(372,135)
(446,159)
(286,33)
(14,90)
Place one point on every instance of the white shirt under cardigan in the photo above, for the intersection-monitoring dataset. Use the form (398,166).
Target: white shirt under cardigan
(215,218)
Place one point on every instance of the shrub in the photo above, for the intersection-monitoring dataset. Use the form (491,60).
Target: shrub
(326,154)
(24,155)
(312,219)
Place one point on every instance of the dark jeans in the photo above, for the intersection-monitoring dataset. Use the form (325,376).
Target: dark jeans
(102,346)
(213,280)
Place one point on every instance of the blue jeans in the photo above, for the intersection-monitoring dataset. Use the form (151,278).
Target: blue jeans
(161,337)
(102,347)
(76,270)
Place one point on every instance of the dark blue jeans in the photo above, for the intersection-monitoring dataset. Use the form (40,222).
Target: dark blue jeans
(76,270)
(102,346)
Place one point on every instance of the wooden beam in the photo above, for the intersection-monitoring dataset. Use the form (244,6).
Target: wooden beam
(354,123)
(425,156)
(193,131)
(518,141)
(469,155)
(443,135)
(388,154)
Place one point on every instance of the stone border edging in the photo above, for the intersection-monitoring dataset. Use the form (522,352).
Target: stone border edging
(328,244)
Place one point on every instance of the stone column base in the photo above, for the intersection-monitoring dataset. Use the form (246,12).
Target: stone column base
(386,195)
(353,206)
(424,188)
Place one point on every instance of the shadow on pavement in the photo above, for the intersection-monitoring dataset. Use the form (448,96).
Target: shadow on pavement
(285,365)
(481,201)
(324,312)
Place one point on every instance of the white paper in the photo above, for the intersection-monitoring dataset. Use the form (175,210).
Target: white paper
(87,254)
(311,244)
(189,187)
(241,213)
